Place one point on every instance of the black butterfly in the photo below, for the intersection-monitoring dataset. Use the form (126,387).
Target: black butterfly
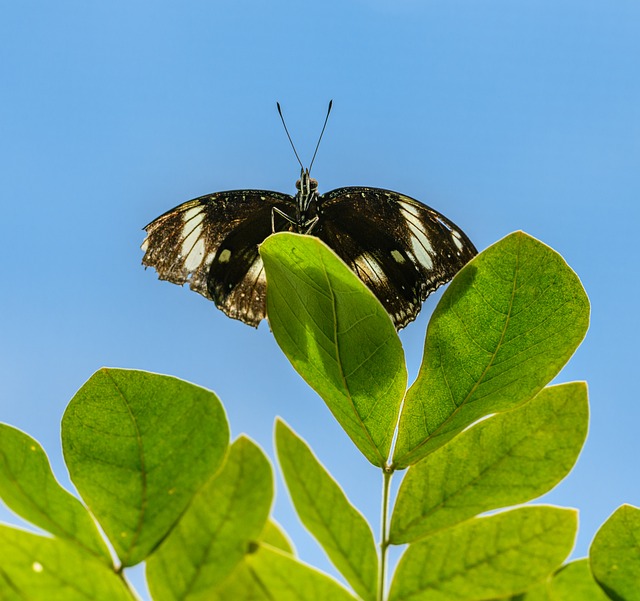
(400,248)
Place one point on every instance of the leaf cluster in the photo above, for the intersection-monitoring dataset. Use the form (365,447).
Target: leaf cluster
(480,432)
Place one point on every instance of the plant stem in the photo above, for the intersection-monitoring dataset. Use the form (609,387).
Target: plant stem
(384,534)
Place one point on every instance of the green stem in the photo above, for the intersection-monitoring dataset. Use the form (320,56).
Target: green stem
(384,534)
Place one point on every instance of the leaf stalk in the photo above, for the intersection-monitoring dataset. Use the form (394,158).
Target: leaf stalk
(384,532)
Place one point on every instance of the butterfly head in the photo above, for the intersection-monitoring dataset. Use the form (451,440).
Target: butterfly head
(306,185)
(306,205)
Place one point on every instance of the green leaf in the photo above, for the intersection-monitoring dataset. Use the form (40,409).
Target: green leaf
(338,337)
(574,582)
(538,592)
(7,589)
(486,557)
(503,329)
(508,459)
(274,535)
(138,446)
(242,584)
(37,568)
(326,512)
(28,487)
(615,554)
(288,579)
(214,534)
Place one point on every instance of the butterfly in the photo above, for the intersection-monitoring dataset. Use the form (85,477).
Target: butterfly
(400,248)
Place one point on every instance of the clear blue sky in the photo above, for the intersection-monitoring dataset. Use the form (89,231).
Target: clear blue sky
(503,115)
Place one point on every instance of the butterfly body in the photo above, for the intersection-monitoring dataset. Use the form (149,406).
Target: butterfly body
(400,248)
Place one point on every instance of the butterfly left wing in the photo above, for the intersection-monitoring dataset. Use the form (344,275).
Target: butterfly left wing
(400,248)
(211,242)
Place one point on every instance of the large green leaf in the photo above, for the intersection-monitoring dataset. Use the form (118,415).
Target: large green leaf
(287,579)
(28,487)
(338,337)
(213,535)
(38,568)
(487,557)
(503,329)
(508,459)
(327,513)
(139,446)
(615,554)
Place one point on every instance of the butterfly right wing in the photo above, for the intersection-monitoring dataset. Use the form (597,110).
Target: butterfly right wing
(400,248)
(211,242)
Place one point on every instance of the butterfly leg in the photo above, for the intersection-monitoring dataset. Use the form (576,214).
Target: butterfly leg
(309,225)
(276,211)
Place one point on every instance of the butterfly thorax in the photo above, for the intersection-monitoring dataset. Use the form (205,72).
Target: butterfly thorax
(306,202)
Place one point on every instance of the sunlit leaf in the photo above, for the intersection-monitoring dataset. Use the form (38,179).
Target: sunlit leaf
(508,459)
(487,557)
(327,513)
(574,582)
(214,534)
(138,446)
(275,536)
(37,568)
(288,579)
(615,554)
(338,337)
(28,487)
(503,329)
(243,584)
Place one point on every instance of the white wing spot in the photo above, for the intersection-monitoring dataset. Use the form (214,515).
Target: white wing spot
(194,258)
(255,271)
(192,231)
(420,244)
(456,239)
(145,245)
(225,255)
(368,265)
(409,211)
(193,213)
(397,255)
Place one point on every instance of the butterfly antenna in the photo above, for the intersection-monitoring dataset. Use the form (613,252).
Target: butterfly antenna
(321,134)
(288,136)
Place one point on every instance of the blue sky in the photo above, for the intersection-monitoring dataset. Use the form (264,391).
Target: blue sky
(502,115)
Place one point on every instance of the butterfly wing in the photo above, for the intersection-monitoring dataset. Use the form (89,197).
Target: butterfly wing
(211,242)
(400,248)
